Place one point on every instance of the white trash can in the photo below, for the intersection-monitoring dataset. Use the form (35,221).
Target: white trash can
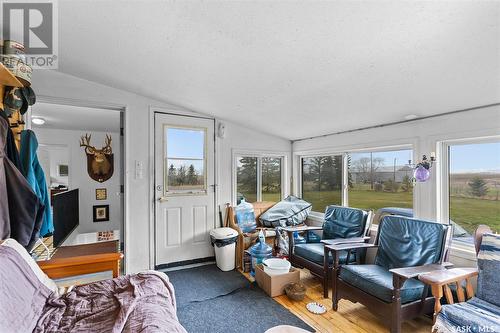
(224,242)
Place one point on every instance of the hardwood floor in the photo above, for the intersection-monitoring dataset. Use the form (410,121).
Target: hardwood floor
(350,317)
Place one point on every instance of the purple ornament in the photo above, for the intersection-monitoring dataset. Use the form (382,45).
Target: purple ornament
(421,174)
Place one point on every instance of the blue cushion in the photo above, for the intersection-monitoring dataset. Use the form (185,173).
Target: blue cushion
(377,281)
(316,252)
(488,262)
(343,222)
(407,242)
(474,316)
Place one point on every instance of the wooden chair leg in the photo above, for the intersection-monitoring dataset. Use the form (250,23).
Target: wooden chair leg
(448,295)
(468,288)
(396,305)
(325,285)
(335,275)
(326,270)
(460,292)
(437,292)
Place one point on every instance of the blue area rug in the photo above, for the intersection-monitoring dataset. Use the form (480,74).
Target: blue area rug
(203,283)
(209,300)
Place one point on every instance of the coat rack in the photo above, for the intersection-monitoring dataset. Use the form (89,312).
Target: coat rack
(16,121)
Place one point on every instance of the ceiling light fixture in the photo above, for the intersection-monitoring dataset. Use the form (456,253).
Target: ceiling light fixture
(38,120)
(411,117)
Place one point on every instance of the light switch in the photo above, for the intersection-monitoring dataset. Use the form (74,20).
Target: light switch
(139,170)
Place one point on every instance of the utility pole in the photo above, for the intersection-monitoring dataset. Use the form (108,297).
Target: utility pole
(394,173)
(371,170)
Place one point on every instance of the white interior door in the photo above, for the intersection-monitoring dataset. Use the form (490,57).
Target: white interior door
(184,188)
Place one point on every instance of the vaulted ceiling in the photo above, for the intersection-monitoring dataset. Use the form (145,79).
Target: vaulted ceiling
(292,68)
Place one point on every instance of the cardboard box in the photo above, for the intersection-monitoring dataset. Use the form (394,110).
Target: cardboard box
(274,285)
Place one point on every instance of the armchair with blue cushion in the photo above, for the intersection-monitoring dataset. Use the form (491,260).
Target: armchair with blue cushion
(406,247)
(481,313)
(340,223)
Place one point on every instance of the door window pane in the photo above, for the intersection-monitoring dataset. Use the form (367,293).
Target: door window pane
(246,179)
(185,160)
(380,179)
(322,181)
(271,179)
(474,190)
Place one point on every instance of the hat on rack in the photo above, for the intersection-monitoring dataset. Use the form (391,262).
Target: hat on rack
(13,100)
(18,99)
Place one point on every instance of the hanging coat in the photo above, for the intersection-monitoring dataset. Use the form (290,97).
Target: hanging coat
(10,145)
(35,176)
(21,212)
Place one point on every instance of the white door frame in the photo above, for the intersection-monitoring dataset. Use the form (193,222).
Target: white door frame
(125,179)
(175,112)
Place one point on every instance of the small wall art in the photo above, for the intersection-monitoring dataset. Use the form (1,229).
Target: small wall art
(101,194)
(101,213)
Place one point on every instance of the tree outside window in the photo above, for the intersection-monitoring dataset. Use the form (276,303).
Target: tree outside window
(259,178)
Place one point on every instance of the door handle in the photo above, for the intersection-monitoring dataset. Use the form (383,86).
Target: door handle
(162,199)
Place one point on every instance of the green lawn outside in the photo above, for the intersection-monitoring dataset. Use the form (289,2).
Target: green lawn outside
(364,199)
(274,197)
(469,213)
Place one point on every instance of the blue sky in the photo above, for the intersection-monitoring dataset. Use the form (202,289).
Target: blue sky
(185,143)
(475,157)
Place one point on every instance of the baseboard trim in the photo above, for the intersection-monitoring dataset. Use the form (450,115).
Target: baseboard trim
(185,263)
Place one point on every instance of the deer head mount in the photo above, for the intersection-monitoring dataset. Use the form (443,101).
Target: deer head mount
(100,164)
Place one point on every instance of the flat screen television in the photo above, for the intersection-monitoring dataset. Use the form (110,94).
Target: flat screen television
(66,215)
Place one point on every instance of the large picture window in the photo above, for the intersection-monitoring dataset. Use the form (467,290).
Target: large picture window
(322,181)
(474,187)
(380,179)
(259,178)
(366,180)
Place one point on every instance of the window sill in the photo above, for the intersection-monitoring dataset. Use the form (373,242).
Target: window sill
(463,251)
(315,220)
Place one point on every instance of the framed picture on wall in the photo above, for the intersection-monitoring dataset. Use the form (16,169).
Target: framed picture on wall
(101,194)
(101,213)
(62,170)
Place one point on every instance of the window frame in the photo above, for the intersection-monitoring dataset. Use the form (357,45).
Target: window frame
(344,178)
(259,155)
(443,179)
(345,174)
(175,193)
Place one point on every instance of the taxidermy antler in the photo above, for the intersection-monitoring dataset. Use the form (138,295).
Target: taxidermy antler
(107,148)
(85,142)
(99,160)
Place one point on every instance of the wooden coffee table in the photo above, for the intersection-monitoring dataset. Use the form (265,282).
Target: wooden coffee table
(83,259)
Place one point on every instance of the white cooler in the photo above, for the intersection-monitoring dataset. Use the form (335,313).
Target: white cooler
(224,242)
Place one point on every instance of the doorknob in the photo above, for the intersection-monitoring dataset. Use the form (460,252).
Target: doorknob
(162,199)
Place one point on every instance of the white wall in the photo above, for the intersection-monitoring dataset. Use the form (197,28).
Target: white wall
(52,86)
(57,155)
(80,179)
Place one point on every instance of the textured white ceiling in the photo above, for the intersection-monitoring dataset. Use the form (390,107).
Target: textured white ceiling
(293,68)
(76,118)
